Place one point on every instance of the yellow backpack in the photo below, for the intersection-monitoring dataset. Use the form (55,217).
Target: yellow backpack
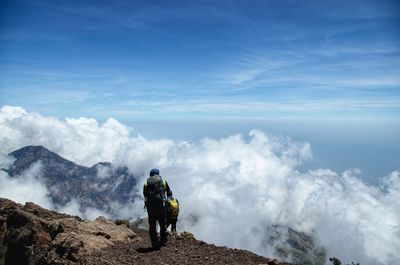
(174,207)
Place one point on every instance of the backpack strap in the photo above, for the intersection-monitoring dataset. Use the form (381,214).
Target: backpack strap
(164,184)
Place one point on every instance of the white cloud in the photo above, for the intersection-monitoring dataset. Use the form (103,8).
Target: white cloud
(74,208)
(81,140)
(231,189)
(6,161)
(103,172)
(26,187)
(91,213)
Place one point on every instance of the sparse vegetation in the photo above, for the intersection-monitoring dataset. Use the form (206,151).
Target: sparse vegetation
(122,222)
(336,261)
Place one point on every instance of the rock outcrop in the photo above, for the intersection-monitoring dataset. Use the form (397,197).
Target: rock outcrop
(30,234)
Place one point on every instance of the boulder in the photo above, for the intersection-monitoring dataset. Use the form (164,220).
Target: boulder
(30,234)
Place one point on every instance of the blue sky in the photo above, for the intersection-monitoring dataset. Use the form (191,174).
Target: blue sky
(202,59)
(326,72)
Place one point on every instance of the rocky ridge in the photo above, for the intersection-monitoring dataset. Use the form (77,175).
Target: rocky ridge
(33,235)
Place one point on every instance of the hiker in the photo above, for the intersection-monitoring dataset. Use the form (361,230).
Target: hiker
(172,213)
(156,191)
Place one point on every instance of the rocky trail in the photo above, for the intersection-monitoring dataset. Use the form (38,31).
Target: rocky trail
(182,248)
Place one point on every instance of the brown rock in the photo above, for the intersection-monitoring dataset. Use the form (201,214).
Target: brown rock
(33,235)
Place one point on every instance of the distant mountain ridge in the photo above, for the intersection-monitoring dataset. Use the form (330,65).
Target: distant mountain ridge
(95,186)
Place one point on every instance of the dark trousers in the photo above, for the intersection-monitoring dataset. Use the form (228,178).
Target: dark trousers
(156,214)
(172,222)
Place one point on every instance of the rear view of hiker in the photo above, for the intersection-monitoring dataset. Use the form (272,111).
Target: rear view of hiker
(156,191)
(172,213)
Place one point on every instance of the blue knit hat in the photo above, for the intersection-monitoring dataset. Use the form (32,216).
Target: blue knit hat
(154,171)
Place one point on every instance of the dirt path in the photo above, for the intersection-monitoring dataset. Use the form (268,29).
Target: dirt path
(178,250)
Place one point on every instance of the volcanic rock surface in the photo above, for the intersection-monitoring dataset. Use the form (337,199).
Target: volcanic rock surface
(32,235)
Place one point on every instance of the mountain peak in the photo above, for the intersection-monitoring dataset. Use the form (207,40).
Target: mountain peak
(34,152)
(31,149)
(93,187)
(28,155)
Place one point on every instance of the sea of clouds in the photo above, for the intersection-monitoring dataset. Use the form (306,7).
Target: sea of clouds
(230,189)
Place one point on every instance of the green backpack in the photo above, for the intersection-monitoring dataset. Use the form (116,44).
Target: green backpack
(155,190)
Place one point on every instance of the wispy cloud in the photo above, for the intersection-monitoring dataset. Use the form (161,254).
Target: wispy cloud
(370,82)
(250,69)
(358,50)
(97,17)
(242,108)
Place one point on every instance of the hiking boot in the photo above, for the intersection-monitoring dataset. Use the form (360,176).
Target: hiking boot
(156,245)
(163,241)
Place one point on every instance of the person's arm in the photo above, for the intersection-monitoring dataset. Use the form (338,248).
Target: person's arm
(145,194)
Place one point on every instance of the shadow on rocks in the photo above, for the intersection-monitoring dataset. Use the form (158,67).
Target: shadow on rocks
(148,249)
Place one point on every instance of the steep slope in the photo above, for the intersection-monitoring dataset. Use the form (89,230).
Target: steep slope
(180,249)
(32,235)
(95,186)
(287,243)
